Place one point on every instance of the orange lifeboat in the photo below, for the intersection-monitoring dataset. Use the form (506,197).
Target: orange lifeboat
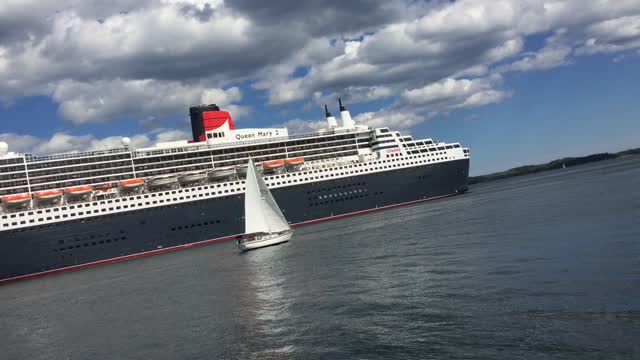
(48,194)
(104,187)
(131,183)
(79,190)
(16,200)
(297,161)
(273,164)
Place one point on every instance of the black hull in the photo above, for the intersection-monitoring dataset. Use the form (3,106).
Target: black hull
(45,249)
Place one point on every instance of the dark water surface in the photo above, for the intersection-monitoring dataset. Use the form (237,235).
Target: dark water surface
(542,266)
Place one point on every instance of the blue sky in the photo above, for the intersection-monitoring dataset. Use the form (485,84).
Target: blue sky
(586,107)
(518,81)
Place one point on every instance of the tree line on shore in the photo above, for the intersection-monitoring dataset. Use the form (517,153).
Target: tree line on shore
(555,164)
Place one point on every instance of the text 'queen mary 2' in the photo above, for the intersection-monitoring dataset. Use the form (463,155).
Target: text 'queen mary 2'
(68,211)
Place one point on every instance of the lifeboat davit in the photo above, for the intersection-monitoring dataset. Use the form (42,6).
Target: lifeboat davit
(47,196)
(294,162)
(273,164)
(221,173)
(131,183)
(192,177)
(16,201)
(79,190)
(162,182)
(241,170)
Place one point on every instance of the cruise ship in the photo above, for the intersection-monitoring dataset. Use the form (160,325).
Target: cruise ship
(69,211)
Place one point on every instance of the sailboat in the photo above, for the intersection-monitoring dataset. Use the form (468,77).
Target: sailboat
(264,223)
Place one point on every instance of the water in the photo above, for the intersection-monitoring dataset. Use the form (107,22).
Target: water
(541,266)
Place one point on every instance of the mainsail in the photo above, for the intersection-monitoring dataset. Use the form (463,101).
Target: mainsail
(262,213)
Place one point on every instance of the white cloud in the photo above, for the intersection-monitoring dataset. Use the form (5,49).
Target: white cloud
(452,93)
(96,68)
(613,35)
(168,135)
(546,58)
(484,98)
(61,142)
(151,59)
(464,38)
(220,96)
(301,126)
(102,101)
(468,17)
(398,119)
(353,94)
(394,118)
(19,143)
(445,89)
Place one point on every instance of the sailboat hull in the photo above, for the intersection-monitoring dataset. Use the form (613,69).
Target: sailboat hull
(265,240)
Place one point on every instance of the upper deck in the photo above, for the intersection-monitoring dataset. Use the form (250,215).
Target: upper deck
(29,173)
(216,144)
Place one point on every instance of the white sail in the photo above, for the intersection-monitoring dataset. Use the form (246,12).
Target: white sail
(262,213)
(254,219)
(275,218)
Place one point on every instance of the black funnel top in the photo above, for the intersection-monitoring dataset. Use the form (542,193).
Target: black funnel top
(342,108)
(326,111)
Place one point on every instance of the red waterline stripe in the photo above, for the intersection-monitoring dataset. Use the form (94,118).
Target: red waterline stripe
(117,259)
(370,210)
(204,242)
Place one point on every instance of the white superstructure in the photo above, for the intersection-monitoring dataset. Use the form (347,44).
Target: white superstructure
(328,154)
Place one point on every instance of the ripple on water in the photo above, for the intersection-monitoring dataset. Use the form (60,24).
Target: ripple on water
(541,266)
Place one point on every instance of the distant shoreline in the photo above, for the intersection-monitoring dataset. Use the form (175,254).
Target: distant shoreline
(555,164)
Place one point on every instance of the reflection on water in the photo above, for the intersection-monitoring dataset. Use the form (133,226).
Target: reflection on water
(534,267)
(267,299)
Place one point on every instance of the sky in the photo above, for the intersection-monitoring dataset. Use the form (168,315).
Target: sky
(517,81)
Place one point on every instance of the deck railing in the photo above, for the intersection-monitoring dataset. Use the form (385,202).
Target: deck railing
(114,193)
(184,148)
